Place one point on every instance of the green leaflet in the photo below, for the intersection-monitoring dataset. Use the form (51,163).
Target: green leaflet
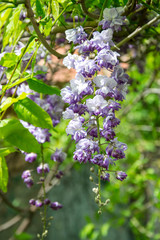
(13,132)
(9,101)
(5,151)
(9,60)
(55,8)
(12,26)
(39,9)
(4,15)
(48,27)
(3,174)
(40,87)
(29,111)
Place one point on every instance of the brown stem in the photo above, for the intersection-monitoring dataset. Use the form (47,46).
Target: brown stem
(39,34)
(85,10)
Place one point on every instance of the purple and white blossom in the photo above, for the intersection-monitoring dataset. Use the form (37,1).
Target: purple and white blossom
(43,168)
(94,98)
(58,155)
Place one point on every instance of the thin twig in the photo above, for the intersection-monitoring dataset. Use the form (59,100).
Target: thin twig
(39,34)
(9,204)
(140,95)
(136,32)
(130,6)
(85,10)
(10,223)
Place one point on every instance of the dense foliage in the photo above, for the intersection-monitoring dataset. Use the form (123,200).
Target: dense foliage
(112,102)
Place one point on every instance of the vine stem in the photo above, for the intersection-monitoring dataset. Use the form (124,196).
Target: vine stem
(44,195)
(137,31)
(39,34)
(99,169)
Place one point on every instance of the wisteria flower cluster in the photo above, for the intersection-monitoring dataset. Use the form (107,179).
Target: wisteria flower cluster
(94,98)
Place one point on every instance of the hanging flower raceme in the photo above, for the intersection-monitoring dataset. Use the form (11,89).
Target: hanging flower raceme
(94,98)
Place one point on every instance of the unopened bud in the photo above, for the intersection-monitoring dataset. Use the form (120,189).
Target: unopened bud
(96,200)
(95,190)
(107,201)
(92,169)
(91,178)
(99,212)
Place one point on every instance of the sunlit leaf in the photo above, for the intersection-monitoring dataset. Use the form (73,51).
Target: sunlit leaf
(12,131)
(29,111)
(40,87)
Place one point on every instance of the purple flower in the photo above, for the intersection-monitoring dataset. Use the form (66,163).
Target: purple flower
(43,167)
(28,181)
(68,96)
(87,67)
(112,18)
(32,201)
(71,61)
(75,129)
(105,84)
(110,121)
(26,174)
(88,145)
(38,203)
(76,35)
(47,201)
(55,205)
(105,177)
(96,105)
(30,157)
(116,149)
(82,156)
(121,175)
(107,58)
(80,86)
(108,134)
(103,39)
(119,75)
(98,159)
(78,108)
(58,155)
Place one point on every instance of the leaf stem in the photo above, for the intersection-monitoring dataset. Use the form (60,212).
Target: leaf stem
(22,54)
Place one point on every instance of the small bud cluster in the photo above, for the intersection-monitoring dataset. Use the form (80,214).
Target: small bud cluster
(43,169)
(94,98)
(39,203)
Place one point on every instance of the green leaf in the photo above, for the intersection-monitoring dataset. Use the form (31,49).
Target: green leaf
(55,8)
(125,2)
(48,27)
(39,9)
(5,151)
(8,60)
(87,231)
(16,75)
(40,87)
(23,236)
(9,101)
(13,132)
(4,15)
(29,111)
(12,27)
(3,174)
